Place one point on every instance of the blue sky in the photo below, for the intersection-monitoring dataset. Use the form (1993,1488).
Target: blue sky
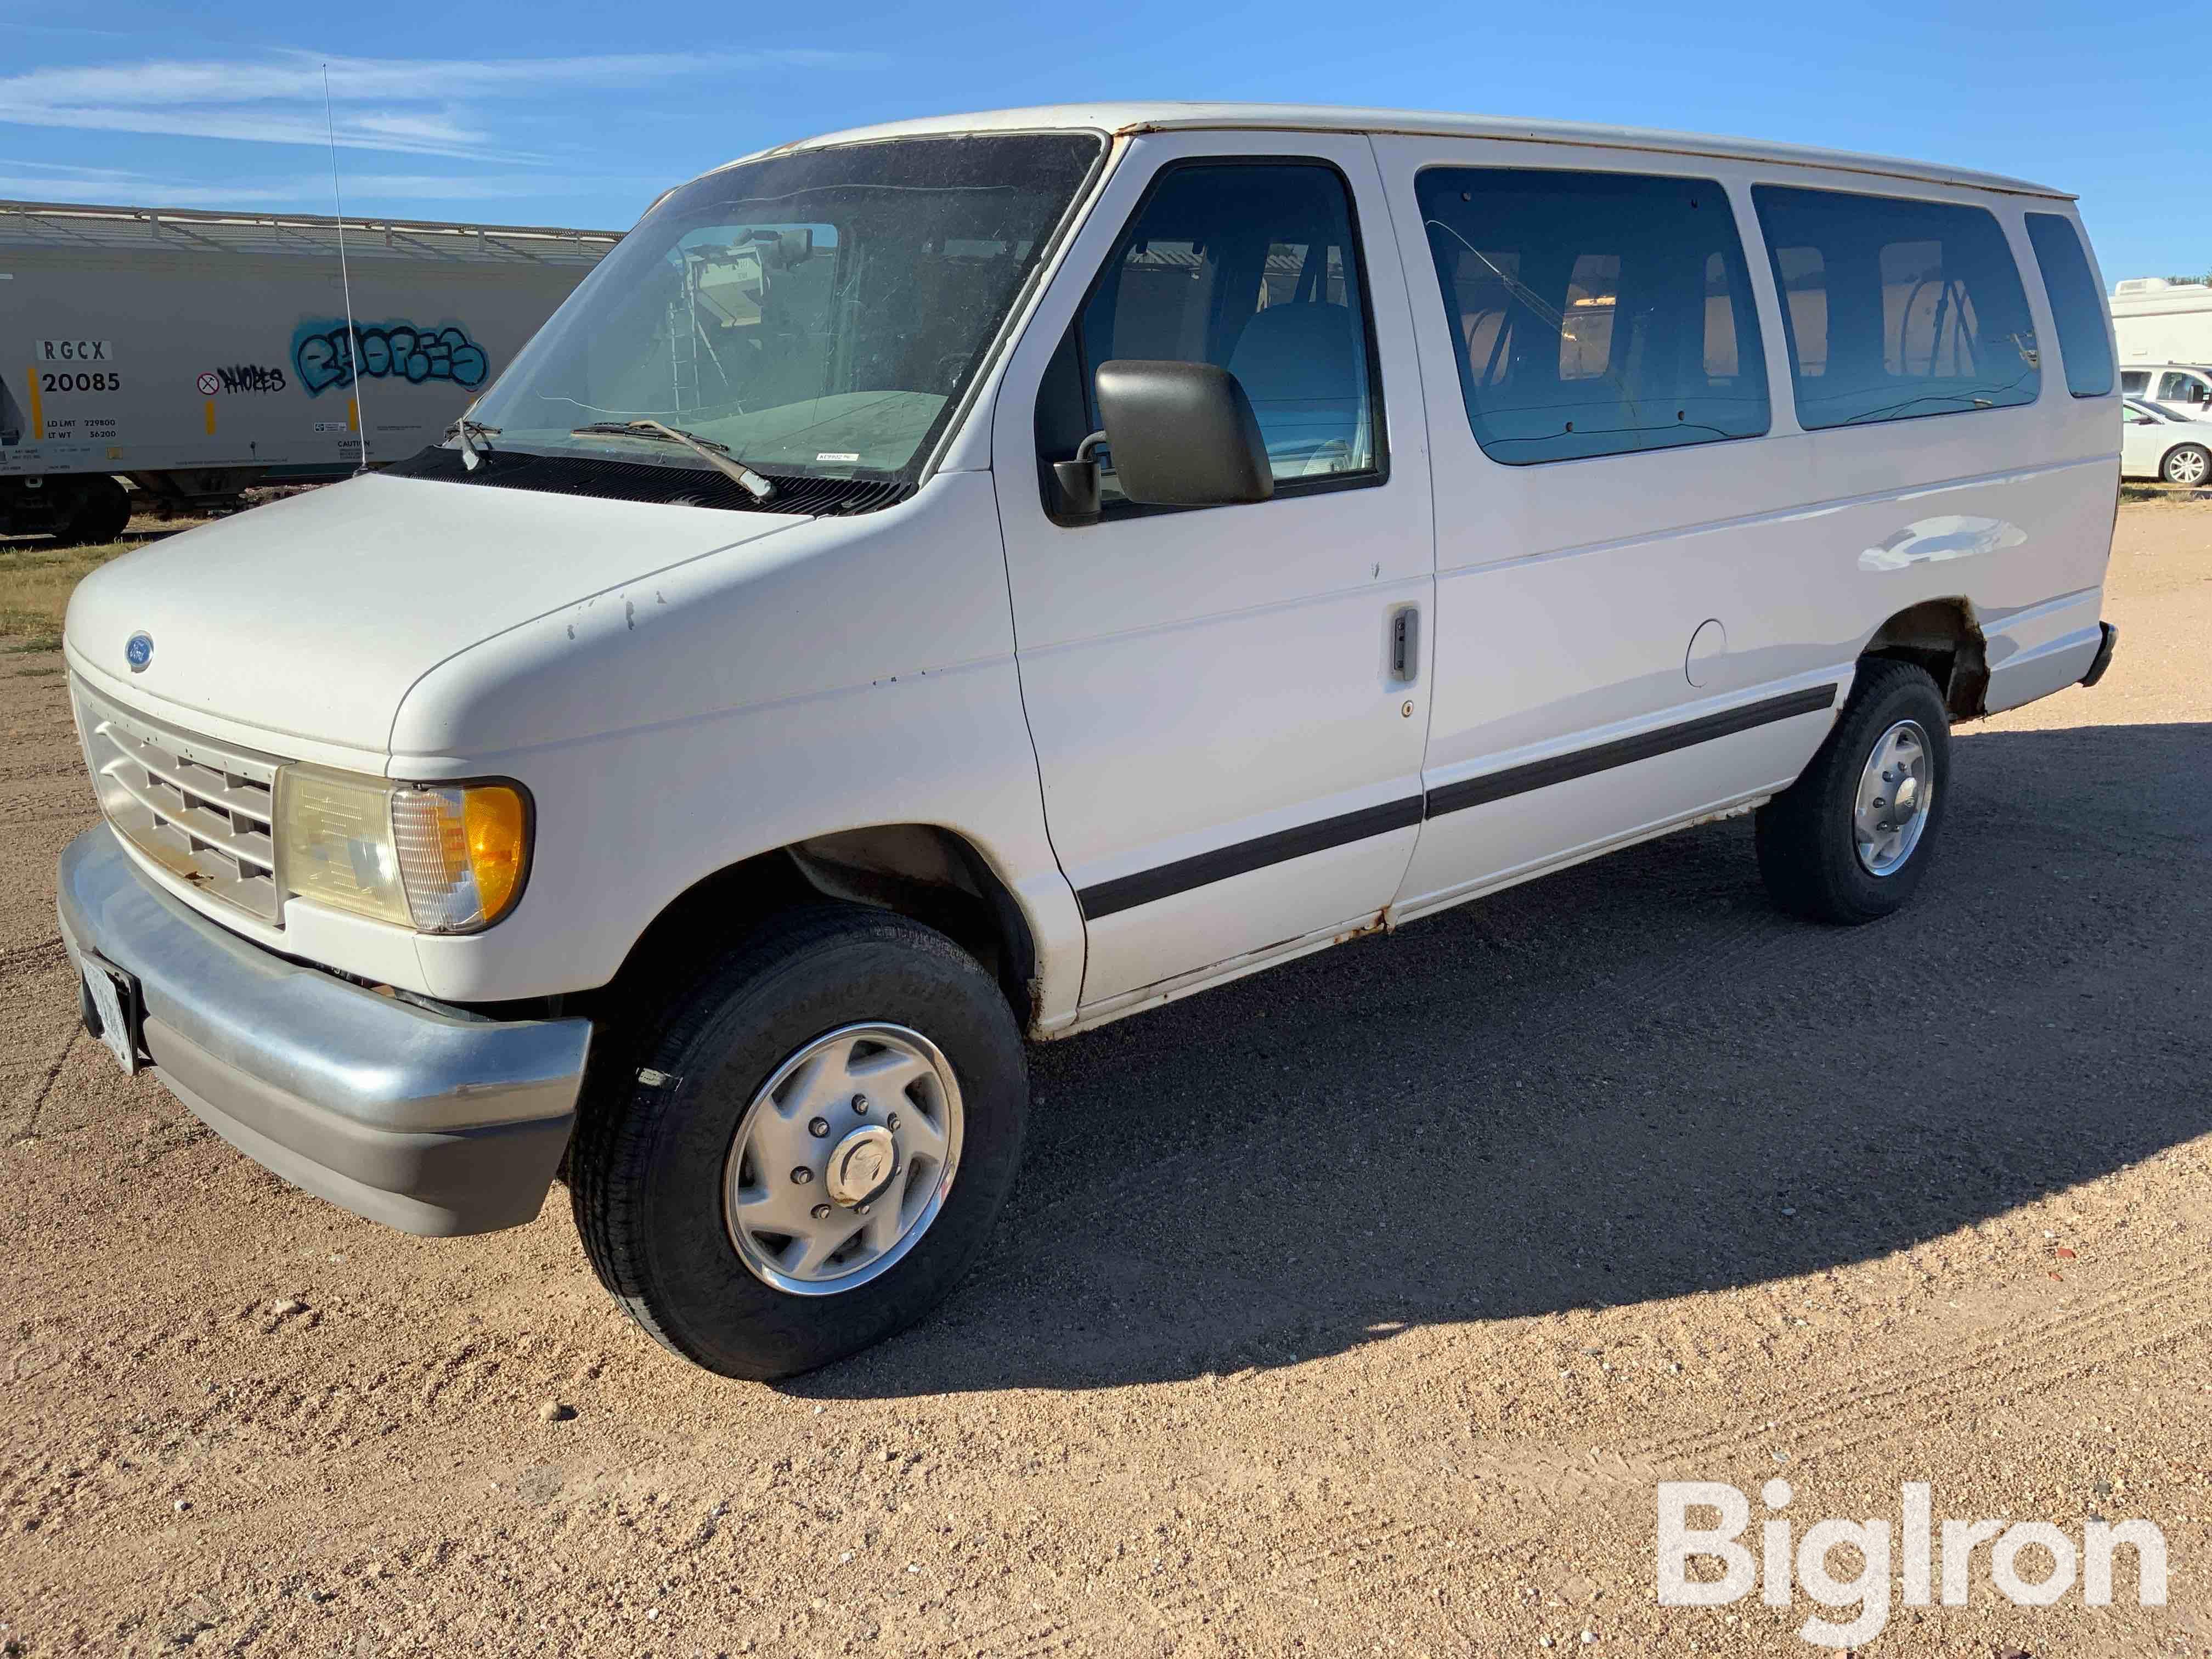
(562,112)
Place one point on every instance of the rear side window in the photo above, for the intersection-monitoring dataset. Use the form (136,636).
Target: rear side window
(2077,304)
(1595,313)
(1896,309)
(2135,381)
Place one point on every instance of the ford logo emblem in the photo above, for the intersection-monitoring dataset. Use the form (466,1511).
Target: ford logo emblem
(139,652)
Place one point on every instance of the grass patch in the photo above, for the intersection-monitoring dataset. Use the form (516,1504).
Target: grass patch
(2159,492)
(36,580)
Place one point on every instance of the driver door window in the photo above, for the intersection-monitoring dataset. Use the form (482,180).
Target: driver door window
(1254,267)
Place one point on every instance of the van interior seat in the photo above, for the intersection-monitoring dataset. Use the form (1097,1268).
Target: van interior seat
(1300,367)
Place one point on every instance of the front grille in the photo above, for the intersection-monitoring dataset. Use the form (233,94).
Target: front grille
(202,811)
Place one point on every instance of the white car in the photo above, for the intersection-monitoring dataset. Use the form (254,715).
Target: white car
(2154,444)
(974,579)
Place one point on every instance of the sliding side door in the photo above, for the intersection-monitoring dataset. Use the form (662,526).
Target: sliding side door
(1625,632)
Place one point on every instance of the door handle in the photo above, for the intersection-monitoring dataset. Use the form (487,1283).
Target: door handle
(1402,639)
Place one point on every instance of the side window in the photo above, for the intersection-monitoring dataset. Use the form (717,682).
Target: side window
(1595,313)
(1896,309)
(2135,381)
(2077,304)
(1254,266)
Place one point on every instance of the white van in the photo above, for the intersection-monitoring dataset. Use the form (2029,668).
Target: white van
(2182,390)
(973,579)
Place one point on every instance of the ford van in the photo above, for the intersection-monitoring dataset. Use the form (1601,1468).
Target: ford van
(947,586)
(2181,390)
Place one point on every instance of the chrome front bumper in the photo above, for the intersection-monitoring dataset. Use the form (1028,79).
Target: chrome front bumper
(429,1123)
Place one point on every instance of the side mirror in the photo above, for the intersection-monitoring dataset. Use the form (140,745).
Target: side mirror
(1183,435)
(1075,485)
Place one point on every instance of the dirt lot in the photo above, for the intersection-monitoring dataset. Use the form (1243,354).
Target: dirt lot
(1353,1310)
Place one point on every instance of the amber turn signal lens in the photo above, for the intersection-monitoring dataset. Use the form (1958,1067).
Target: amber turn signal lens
(498,831)
(462,853)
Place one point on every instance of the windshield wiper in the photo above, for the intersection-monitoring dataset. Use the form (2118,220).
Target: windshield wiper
(715,455)
(469,432)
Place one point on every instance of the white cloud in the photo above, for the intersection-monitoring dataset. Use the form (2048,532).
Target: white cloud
(303,189)
(372,192)
(74,168)
(403,105)
(118,190)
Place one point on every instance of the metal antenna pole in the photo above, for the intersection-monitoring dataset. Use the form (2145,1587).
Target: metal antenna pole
(345,278)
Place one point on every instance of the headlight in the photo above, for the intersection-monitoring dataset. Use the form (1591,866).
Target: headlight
(448,859)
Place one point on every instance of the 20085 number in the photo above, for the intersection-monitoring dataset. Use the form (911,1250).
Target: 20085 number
(94,382)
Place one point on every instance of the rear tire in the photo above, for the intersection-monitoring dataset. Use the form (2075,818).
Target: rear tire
(666,1178)
(2186,463)
(1834,846)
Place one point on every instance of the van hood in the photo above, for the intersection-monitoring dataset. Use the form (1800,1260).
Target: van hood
(311,617)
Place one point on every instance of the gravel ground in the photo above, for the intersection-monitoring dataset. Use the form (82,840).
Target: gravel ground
(1354,1308)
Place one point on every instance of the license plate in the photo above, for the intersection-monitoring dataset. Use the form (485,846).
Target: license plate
(110,1008)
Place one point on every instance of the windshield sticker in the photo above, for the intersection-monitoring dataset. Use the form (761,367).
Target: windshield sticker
(839,455)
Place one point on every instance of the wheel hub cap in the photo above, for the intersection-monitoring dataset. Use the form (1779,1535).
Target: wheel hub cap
(843,1159)
(862,1165)
(1897,789)
(1906,802)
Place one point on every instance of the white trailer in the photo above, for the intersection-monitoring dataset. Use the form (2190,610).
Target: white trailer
(198,354)
(2158,321)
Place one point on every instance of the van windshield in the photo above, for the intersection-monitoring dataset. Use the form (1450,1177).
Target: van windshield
(819,312)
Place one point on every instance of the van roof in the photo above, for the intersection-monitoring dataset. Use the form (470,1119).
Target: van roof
(1163,117)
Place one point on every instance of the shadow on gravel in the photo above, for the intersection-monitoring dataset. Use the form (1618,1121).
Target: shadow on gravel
(1631,1080)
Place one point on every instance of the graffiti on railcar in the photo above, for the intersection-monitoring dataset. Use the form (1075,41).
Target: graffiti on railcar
(326,353)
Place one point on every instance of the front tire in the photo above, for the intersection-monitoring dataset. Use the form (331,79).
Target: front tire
(2186,463)
(836,1124)
(1850,842)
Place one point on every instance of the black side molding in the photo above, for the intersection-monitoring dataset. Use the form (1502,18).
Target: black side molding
(2103,657)
(1147,886)
(1126,892)
(1581,762)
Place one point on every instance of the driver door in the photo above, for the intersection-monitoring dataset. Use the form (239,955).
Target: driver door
(1229,703)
